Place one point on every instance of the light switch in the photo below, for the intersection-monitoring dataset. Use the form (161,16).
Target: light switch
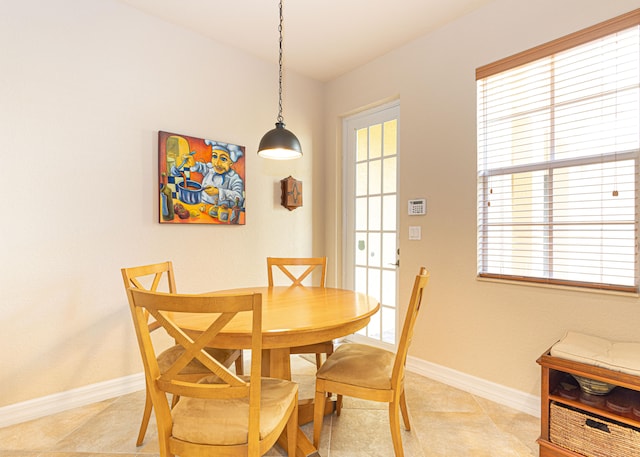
(415,232)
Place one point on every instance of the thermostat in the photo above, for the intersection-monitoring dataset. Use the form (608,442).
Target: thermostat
(417,207)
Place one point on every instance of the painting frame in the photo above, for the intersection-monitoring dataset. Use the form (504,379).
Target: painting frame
(201,181)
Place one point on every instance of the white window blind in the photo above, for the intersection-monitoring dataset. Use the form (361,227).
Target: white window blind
(558,149)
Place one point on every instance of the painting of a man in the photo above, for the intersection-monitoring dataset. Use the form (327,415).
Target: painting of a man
(220,183)
(204,179)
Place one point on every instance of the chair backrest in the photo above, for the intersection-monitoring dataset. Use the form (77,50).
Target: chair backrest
(290,266)
(156,277)
(217,310)
(407,329)
(150,277)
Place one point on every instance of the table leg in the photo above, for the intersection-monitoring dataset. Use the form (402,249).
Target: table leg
(276,363)
(305,409)
(305,447)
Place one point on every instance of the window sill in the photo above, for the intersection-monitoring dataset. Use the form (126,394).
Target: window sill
(559,287)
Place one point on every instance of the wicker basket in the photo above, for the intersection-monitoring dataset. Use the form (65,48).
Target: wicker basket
(591,435)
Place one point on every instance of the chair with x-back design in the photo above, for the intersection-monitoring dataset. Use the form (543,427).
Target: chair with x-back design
(156,277)
(221,413)
(371,373)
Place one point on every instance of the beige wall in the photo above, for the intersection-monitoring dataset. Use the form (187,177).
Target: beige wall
(488,330)
(84,88)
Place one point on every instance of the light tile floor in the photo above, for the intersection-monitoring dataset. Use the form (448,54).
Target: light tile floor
(445,422)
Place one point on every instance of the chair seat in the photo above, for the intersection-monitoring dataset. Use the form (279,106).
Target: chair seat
(168,357)
(360,365)
(225,421)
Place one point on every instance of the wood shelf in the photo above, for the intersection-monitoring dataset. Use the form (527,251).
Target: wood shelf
(625,418)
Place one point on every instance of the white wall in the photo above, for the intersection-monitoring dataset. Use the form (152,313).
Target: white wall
(488,330)
(84,88)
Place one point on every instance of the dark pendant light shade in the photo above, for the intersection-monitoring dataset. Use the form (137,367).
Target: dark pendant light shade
(280,143)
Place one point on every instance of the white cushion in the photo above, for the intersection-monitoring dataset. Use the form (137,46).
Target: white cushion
(600,352)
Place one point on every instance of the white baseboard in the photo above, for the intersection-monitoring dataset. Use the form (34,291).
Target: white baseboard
(82,396)
(62,401)
(518,400)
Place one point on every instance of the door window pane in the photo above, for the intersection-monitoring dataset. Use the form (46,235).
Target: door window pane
(361,179)
(374,283)
(361,280)
(389,211)
(389,171)
(390,137)
(389,288)
(361,249)
(374,249)
(375,177)
(375,141)
(375,213)
(388,325)
(388,250)
(361,213)
(362,145)
(373,329)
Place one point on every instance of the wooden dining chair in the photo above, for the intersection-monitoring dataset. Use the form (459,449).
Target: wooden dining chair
(371,373)
(287,264)
(160,276)
(222,414)
(293,268)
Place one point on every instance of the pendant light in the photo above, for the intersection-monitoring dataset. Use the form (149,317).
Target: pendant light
(280,143)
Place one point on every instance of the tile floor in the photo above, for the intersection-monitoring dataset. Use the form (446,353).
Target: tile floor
(445,422)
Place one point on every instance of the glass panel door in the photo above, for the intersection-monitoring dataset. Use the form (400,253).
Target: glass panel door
(371,230)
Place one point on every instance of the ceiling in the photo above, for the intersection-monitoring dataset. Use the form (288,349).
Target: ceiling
(323,39)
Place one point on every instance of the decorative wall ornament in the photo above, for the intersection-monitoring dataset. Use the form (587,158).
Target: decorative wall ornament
(291,193)
(201,181)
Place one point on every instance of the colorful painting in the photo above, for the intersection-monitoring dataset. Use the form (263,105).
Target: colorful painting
(201,181)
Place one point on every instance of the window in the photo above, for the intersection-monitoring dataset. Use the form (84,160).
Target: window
(558,150)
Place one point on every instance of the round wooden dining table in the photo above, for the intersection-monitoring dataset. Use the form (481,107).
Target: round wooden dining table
(292,316)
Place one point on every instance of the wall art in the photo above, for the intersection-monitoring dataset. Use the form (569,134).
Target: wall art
(201,181)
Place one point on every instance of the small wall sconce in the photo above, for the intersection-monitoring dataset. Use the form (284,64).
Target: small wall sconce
(291,193)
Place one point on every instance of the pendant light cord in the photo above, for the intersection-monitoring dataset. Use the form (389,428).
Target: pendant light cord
(280,118)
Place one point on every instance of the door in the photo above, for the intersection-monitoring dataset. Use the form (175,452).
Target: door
(371,213)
